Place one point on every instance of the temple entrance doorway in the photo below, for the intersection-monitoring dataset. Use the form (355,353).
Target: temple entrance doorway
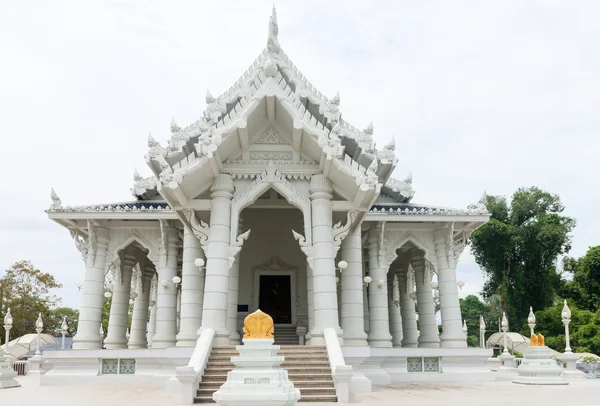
(275,297)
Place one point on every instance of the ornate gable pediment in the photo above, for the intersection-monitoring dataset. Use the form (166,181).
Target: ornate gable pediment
(270,137)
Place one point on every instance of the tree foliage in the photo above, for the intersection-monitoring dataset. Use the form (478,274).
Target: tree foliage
(584,288)
(517,250)
(470,309)
(27,291)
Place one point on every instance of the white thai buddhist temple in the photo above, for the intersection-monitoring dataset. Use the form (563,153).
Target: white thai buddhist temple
(271,200)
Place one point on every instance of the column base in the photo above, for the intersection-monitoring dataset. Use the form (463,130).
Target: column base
(163,342)
(429,343)
(137,345)
(453,342)
(380,341)
(115,344)
(234,338)
(358,340)
(91,342)
(187,339)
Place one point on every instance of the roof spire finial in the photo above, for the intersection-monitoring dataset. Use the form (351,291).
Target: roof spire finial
(56,203)
(273,41)
(174,127)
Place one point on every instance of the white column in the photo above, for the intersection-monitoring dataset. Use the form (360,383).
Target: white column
(214,311)
(309,301)
(90,313)
(119,306)
(352,292)
(379,324)
(429,336)
(166,298)
(366,308)
(409,316)
(324,287)
(151,323)
(192,291)
(452,334)
(232,301)
(394,310)
(139,318)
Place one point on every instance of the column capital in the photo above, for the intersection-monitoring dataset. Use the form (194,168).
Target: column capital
(222,186)
(320,187)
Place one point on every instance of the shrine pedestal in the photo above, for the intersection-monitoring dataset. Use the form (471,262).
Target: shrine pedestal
(538,368)
(7,374)
(258,379)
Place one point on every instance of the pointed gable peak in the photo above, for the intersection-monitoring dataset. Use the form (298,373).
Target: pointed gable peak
(272,40)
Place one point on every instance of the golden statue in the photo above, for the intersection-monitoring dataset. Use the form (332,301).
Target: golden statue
(540,340)
(258,325)
(533,340)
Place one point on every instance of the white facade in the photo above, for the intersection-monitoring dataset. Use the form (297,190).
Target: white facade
(271,188)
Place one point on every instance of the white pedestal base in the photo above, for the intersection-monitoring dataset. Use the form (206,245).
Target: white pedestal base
(571,371)
(258,379)
(537,368)
(7,374)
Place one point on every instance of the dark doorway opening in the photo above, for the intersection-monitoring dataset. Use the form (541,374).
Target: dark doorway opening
(275,297)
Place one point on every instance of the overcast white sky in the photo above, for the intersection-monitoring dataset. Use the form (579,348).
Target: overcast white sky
(480,95)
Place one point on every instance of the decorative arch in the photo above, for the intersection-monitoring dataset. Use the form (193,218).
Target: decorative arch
(267,179)
(134,236)
(392,245)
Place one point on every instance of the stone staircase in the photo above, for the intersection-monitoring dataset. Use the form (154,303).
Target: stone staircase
(286,336)
(307,366)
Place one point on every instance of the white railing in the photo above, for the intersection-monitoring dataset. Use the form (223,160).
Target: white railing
(21,367)
(191,375)
(341,372)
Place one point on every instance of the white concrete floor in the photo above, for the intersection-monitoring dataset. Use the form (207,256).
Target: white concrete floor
(580,392)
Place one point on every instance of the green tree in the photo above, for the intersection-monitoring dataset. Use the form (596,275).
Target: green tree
(27,291)
(56,318)
(517,250)
(584,288)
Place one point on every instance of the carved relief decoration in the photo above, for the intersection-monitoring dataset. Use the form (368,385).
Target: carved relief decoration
(422,239)
(258,325)
(341,231)
(271,177)
(270,136)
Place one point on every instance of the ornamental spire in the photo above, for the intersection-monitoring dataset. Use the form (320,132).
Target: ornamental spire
(272,40)
(56,203)
(174,127)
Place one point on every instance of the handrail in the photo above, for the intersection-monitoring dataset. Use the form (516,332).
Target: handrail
(191,375)
(341,372)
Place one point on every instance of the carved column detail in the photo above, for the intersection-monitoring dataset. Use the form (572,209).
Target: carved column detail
(429,336)
(192,291)
(214,310)
(90,313)
(407,309)
(119,307)
(379,326)
(452,334)
(394,309)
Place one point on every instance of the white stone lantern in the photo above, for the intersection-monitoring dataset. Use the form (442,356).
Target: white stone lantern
(531,320)
(8,322)
(101,331)
(505,330)
(481,332)
(464,328)
(64,329)
(39,327)
(566,319)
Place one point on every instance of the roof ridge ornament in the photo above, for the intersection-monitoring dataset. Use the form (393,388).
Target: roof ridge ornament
(174,127)
(273,46)
(56,203)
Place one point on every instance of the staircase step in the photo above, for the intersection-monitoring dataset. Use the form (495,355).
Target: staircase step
(285,365)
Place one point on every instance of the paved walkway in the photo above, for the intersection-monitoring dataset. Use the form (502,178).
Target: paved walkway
(581,392)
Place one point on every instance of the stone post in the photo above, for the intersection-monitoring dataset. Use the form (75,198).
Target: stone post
(352,292)
(379,324)
(309,301)
(214,311)
(452,334)
(407,309)
(90,313)
(192,291)
(366,307)
(394,309)
(139,318)
(324,286)
(119,307)
(429,336)
(232,301)
(152,322)
(166,298)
